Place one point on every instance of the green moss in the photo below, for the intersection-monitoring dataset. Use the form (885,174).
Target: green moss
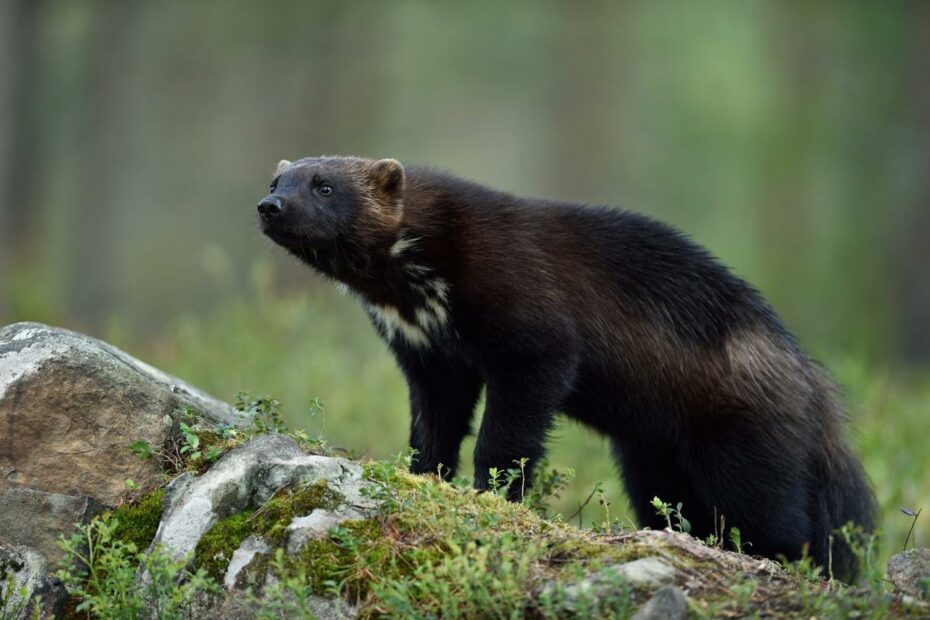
(432,550)
(581,548)
(216,547)
(138,521)
(359,554)
(270,521)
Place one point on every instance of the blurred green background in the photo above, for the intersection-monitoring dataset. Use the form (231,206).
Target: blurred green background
(792,139)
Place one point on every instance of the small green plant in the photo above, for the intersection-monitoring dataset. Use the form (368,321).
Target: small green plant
(287,597)
(190,442)
(104,574)
(14,598)
(197,447)
(142,449)
(385,475)
(864,545)
(548,484)
(804,568)
(501,481)
(608,526)
(171,458)
(190,446)
(263,414)
(914,516)
(668,512)
(613,598)
(486,580)
(736,539)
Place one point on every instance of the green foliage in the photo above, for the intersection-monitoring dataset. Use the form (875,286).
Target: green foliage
(736,539)
(668,512)
(142,449)
(215,549)
(192,446)
(288,596)
(471,581)
(548,485)
(864,545)
(914,516)
(435,550)
(198,446)
(14,599)
(263,414)
(431,550)
(110,578)
(500,481)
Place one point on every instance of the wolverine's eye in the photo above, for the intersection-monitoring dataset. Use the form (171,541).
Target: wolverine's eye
(274,184)
(325,190)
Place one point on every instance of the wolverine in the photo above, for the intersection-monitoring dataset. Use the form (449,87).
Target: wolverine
(610,317)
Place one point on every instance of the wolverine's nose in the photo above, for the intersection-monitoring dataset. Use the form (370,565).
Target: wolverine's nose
(270,207)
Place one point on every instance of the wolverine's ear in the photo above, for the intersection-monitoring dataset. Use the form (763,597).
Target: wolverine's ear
(282,165)
(388,175)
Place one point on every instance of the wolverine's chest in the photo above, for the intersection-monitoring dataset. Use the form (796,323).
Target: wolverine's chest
(419,317)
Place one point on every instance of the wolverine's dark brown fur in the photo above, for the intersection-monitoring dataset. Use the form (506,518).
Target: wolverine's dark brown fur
(611,317)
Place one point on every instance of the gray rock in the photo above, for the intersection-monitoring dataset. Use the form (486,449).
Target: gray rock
(71,405)
(646,573)
(668,603)
(248,550)
(324,608)
(36,518)
(246,477)
(910,572)
(25,584)
(316,524)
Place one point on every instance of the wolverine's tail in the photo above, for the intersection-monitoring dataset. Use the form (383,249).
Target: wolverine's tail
(841,495)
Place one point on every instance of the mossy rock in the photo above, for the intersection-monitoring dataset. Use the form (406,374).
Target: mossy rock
(269,521)
(137,521)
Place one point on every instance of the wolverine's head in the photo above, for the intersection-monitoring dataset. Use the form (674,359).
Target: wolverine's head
(317,201)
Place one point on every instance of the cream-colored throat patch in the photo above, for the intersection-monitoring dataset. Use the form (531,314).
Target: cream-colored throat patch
(431,315)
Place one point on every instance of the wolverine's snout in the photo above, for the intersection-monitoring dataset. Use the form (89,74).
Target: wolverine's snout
(270,207)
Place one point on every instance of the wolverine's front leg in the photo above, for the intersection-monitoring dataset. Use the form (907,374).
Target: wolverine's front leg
(519,411)
(443,394)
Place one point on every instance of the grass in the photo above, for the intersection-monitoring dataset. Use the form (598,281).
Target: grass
(435,550)
(320,344)
(432,550)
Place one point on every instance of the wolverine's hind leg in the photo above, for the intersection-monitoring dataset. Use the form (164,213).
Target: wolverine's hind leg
(651,471)
(760,483)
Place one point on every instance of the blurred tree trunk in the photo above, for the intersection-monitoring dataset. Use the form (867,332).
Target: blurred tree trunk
(19,20)
(583,69)
(911,250)
(354,34)
(98,149)
(785,210)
